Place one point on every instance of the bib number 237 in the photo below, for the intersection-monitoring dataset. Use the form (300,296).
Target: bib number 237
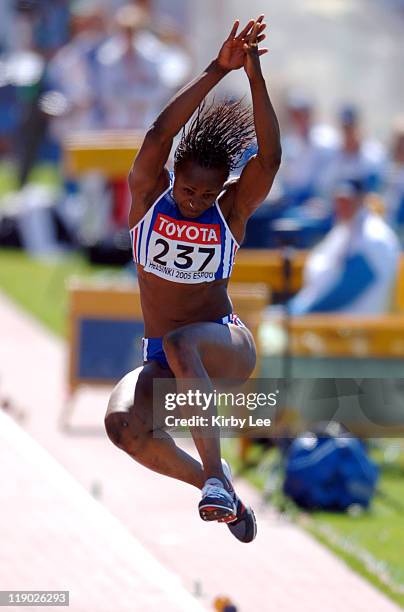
(184,255)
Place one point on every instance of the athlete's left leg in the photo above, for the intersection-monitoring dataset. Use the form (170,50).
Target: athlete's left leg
(203,351)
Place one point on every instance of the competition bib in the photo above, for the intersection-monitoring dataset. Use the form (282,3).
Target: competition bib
(184,251)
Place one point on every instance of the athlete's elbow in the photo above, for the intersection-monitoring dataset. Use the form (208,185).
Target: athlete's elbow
(270,162)
(158,133)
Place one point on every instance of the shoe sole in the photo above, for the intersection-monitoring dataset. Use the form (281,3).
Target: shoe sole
(216,513)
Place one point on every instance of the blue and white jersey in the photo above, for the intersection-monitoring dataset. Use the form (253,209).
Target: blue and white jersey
(183,250)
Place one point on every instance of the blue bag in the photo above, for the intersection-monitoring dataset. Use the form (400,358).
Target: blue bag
(329,473)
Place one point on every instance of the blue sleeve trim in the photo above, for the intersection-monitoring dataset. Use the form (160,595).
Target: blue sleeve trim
(355,278)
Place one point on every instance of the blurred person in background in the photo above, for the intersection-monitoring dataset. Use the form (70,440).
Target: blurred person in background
(176,12)
(130,88)
(41,25)
(25,17)
(63,100)
(306,151)
(72,73)
(73,104)
(35,30)
(295,201)
(40,28)
(51,25)
(6,24)
(164,14)
(10,110)
(165,42)
(393,185)
(353,269)
(355,156)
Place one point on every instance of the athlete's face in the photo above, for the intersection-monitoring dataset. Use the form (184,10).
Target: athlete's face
(196,188)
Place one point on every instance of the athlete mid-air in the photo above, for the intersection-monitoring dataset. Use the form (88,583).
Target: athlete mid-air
(186,227)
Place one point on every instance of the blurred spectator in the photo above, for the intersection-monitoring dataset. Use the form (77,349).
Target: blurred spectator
(130,88)
(21,35)
(393,189)
(355,156)
(353,269)
(72,73)
(9,111)
(6,24)
(164,14)
(294,199)
(176,12)
(51,26)
(306,151)
(43,25)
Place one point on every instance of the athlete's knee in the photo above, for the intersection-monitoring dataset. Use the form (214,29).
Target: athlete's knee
(127,431)
(180,350)
(116,427)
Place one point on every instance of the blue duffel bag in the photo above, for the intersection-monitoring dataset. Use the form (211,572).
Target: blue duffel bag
(329,473)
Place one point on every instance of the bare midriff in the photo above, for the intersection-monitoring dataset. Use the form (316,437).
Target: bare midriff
(167,305)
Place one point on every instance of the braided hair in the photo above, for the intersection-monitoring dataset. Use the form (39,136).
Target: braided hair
(218,135)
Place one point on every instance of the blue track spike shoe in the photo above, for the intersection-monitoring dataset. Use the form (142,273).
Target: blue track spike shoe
(216,503)
(244,525)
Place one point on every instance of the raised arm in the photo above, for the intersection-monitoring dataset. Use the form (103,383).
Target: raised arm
(257,176)
(148,175)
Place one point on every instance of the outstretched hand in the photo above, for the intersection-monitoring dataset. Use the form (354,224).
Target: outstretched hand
(236,48)
(251,50)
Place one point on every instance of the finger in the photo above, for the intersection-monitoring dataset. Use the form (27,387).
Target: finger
(246,30)
(261,28)
(254,33)
(263,51)
(234,30)
(248,34)
(256,27)
(261,38)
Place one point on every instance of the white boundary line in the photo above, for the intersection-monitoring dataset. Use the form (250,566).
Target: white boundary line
(143,561)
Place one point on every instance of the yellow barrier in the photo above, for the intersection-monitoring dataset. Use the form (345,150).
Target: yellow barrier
(109,152)
(347,336)
(399,292)
(265,266)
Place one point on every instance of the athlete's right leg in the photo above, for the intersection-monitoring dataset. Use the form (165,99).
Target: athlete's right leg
(130,424)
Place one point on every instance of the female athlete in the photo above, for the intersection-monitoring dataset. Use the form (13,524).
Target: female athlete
(186,228)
